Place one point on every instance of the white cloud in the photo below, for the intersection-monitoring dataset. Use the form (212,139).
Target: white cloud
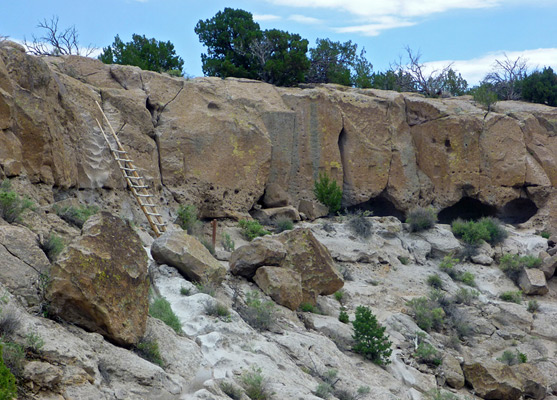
(303,19)
(375,16)
(474,70)
(376,26)
(265,17)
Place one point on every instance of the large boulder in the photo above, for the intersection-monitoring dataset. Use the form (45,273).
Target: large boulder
(307,256)
(189,256)
(297,251)
(492,380)
(453,372)
(101,282)
(532,281)
(549,264)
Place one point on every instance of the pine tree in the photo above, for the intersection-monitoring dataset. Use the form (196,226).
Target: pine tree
(370,338)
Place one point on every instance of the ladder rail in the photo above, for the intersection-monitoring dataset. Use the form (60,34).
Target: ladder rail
(133,179)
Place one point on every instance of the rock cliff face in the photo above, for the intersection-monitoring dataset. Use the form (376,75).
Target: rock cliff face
(220,143)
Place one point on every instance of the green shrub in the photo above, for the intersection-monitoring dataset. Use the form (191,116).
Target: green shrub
(231,390)
(160,308)
(323,390)
(328,192)
(435,281)
(343,317)
(485,96)
(421,218)
(11,205)
(467,278)
(486,229)
(470,232)
(427,314)
(308,307)
(215,308)
(512,296)
(9,323)
(545,235)
(283,224)
(369,337)
(511,358)
(512,264)
(8,388)
(447,266)
(466,296)
(227,242)
(52,246)
(149,350)
(258,314)
(184,291)
(339,295)
(187,218)
(533,306)
(14,357)
(255,384)
(207,288)
(34,342)
(252,229)
(497,233)
(360,224)
(76,216)
(404,260)
(427,354)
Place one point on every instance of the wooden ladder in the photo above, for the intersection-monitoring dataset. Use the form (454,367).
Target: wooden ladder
(135,182)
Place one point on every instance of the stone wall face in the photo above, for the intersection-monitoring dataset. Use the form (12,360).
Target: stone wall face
(219,143)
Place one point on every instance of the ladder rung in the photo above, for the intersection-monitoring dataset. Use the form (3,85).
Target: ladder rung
(127,169)
(149,205)
(144,195)
(123,159)
(155,214)
(133,177)
(156,223)
(119,151)
(140,186)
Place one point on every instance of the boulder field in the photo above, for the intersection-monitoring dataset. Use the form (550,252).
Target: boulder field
(225,145)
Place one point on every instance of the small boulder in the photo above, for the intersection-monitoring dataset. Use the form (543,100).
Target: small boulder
(275,196)
(261,251)
(313,209)
(283,285)
(549,264)
(532,281)
(442,241)
(453,372)
(101,282)
(189,256)
(268,215)
(43,374)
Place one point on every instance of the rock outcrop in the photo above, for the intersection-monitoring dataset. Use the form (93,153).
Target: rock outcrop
(296,253)
(101,281)
(225,144)
(189,256)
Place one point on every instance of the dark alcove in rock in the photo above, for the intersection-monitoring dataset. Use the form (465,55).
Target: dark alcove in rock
(466,208)
(517,211)
(380,207)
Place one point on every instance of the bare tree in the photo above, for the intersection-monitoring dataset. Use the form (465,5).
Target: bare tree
(55,41)
(505,76)
(429,83)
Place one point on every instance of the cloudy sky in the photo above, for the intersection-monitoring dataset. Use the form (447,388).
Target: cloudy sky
(469,33)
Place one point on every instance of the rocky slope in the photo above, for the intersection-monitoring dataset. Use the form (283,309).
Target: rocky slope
(235,146)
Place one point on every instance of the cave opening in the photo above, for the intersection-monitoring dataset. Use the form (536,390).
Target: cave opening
(379,206)
(518,211)
(466,208)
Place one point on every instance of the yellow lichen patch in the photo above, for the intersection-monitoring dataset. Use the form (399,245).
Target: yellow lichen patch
(236,147)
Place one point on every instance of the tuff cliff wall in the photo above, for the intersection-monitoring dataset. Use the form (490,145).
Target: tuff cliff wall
(219,143)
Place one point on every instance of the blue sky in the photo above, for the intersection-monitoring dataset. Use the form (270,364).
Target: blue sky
(470,33)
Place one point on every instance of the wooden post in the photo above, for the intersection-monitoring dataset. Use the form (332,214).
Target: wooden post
(214,223)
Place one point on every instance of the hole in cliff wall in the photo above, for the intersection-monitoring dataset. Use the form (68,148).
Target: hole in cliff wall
(466,208)
(341,147)
(518,211)
(380,207)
